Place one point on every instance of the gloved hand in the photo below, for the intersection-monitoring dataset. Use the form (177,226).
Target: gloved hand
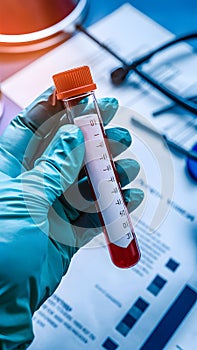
(39,229)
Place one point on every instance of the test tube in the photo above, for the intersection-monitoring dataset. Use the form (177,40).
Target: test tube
(75,88)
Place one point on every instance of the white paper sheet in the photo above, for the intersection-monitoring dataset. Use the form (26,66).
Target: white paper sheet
(88,311)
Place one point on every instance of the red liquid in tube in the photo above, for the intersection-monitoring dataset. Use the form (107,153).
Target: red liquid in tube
(74,87)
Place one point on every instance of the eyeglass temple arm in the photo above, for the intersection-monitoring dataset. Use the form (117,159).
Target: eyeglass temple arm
(142,59)
(171,106)
(189,153)
(171,42)
(134,66)
(189,105)
(80,28)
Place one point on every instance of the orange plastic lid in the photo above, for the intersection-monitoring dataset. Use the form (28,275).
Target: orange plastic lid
(73,82)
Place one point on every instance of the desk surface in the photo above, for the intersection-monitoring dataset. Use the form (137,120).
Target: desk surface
(178,16)
(97,11)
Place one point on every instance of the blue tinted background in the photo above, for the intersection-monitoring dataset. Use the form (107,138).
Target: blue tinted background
(178,16)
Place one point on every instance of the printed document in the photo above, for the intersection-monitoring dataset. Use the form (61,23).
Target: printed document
(151,306)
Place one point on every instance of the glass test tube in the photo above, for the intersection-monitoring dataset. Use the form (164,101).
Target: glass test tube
(75,87)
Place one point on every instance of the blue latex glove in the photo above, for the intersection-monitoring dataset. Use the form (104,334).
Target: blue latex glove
(40,229)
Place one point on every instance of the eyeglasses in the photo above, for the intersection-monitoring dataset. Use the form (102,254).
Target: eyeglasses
(119,75)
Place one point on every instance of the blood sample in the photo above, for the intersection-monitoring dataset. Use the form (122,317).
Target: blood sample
(76,88)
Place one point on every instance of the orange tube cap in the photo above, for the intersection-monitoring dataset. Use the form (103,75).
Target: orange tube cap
(73,82)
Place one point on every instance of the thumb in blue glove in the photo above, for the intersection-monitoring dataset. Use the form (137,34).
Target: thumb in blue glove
(41,231)
(25,249)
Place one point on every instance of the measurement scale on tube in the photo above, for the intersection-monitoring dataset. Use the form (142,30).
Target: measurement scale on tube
(103,178)
(75,88)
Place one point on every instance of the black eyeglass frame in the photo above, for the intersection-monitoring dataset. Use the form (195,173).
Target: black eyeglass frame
(120,74)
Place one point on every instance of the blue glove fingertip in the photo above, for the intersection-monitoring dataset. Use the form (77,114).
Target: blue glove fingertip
(108,107)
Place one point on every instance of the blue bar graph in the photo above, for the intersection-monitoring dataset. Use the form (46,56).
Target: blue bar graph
(156,285)
(172,265)
(109,344)
(131,317)
(171,320)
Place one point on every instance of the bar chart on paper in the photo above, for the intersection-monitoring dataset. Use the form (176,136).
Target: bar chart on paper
(153,305)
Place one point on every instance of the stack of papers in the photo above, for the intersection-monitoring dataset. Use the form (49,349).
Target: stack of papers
(150,306)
